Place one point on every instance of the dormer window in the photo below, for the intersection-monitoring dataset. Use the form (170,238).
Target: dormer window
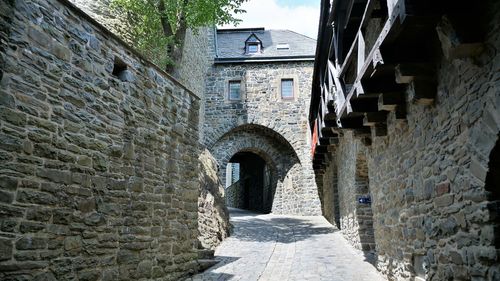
(253,45)
(252,48)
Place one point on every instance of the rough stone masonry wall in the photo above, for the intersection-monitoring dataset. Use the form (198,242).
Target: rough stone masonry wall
(197,57)
(98,175)
(427,175)
(213,216)
(261,104)
(355,218)
(198,48)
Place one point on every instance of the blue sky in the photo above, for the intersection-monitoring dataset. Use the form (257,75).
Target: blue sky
(301,16)
(294,3)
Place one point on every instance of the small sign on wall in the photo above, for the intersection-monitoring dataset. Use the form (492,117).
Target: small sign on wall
(364,200)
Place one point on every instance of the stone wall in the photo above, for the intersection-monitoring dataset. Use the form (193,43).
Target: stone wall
(261,104)
(198,48)
(431,212)
(234,195)
(328,190)
(355,218)
(213,219)
(98,154)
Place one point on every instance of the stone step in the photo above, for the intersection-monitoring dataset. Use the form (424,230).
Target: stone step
(205,254)
(204,264)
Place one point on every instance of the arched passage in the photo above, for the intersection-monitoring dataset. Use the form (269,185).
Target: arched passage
(286,192)
(249,182)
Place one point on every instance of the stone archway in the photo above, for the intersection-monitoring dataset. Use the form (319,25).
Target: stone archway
(290,194)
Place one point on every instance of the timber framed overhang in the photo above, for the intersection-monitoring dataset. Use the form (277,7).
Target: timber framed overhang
(374,56)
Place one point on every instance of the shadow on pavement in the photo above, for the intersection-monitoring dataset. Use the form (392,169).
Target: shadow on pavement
(250,226)
(212,274)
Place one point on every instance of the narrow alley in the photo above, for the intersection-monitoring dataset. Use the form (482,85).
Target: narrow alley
(277,247)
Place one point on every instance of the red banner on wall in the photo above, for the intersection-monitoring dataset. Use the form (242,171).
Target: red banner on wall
(314,137)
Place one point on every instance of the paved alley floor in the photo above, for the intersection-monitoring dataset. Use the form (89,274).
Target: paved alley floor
(274,247)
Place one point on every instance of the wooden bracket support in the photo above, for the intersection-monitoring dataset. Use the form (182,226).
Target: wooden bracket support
(373,118)
(452,46)
(389,101)
(406,73)
(422,91)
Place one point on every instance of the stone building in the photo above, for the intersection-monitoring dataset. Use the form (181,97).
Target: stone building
(405,118)
(256,100)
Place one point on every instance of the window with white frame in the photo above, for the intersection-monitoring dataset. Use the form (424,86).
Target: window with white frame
(287,89)
(252,48)
(234,90)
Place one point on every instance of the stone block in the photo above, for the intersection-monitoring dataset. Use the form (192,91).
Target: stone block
(144,269)
(84,161)
(127,257)
(10,143)
(54,175)
(5,249)
(61,52)
(477,169)
(73,243)
(35,197)
(6,197)
(45,276)
(41,38)
(13,117)
(136,184)
(442,188)
(444,201)
(99,162)
(31,243)
(89,275)
(95,219)
(30,227)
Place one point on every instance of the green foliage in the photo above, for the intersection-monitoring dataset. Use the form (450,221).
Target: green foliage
(149,19)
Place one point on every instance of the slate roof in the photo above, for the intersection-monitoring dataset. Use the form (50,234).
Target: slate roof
(231,45)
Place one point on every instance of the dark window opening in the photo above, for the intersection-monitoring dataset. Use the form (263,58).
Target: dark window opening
(119,67)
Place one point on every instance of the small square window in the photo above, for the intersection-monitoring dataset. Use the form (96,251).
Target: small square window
(287,88)
(253,48)
(234,90)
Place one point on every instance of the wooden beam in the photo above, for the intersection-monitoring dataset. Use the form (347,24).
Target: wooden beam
(422,91)
(324,141)
(321,149)
(363,132)
(389,101)
(373,118)
(407,72)
(352,122)
(328,132)
(452,45)
(369,104)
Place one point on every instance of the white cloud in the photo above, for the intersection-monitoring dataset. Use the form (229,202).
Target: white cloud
(268,14)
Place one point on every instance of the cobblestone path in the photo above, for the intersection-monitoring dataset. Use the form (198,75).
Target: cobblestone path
(273,247)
